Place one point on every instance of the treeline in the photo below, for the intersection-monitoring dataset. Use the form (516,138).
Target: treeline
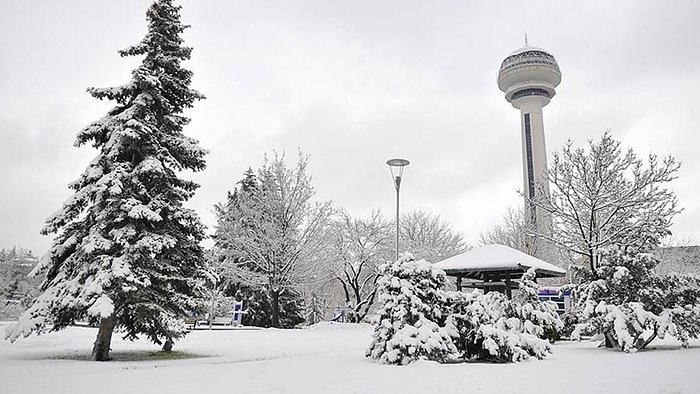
(16,253)
(17,290)
(292,259)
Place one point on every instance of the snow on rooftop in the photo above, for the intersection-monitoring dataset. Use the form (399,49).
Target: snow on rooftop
(497,257)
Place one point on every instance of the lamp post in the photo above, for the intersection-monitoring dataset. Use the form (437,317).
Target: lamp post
(396,166)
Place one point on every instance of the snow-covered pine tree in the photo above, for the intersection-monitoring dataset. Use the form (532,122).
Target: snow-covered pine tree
(126,255)
(408,323)
(314,310)
(538,318)
(629,300)
(418,319)
(492,328)
(258,311)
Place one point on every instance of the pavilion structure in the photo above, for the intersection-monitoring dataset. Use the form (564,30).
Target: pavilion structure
(495,268)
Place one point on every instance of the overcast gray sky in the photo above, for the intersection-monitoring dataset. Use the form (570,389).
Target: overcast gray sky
(353,84)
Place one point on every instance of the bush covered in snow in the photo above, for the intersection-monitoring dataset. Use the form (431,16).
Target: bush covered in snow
(491,327)
(628,300)
(540,318)
(411,302)
(571,319)
(483,326)
(418,319)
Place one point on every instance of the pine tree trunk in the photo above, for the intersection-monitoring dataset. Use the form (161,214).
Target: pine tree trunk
(168,345)
(275,303)
(648,341)
(100,351)
(610,341)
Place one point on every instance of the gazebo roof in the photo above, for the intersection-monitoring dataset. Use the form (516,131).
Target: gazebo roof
(496,258)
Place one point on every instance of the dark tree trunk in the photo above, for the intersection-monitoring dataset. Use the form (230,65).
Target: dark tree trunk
(168,345)
(648,341)
(367,306)
(610,341)
(100,350)
(275,303)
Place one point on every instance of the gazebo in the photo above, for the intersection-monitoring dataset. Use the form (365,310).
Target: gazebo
(494,268)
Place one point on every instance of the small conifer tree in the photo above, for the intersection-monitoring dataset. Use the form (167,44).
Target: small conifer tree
(407,324)
(539,318)
(314,310)
(491,327)
(632,306)
(419,319)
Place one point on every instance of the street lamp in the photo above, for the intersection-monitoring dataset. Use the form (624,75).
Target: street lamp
(396,166)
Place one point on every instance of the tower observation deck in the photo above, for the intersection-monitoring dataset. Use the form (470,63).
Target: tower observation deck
(528,77)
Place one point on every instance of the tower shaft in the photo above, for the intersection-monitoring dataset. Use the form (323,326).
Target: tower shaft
(534,156)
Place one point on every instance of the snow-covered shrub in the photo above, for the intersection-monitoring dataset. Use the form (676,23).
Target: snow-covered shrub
(628,300)
(683,292)
(492,328)
(468,313)
(540,318)
(313,310)
(571,319)
(408,321)
(418,319)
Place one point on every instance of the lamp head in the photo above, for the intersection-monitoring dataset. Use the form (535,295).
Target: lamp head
(396,166)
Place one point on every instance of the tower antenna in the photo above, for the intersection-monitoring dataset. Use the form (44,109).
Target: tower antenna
(526,44)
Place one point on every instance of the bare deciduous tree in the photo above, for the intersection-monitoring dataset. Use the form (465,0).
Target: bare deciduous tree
(429,236)
(272,235)
(512,232)
(360,246)
(602,196)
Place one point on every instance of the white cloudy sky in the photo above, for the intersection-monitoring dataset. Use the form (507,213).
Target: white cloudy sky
(353,83)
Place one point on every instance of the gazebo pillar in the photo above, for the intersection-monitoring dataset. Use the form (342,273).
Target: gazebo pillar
(509,293)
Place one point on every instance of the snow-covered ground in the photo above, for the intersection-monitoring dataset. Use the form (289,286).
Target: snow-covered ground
(328,358)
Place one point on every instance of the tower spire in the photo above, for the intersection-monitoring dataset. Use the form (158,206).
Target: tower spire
(526,43)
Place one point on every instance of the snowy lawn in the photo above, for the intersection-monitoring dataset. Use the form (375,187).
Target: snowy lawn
(328,358)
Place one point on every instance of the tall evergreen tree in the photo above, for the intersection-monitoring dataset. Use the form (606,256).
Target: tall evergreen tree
(126,255)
